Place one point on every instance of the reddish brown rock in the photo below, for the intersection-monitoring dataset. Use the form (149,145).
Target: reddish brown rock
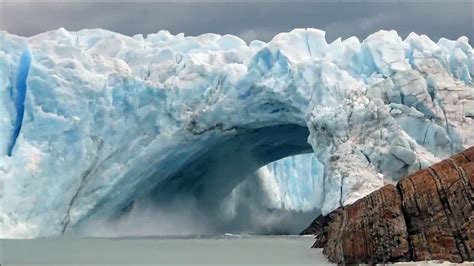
(372,229)
(428,215)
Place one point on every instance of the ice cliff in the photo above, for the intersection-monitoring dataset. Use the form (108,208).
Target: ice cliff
(94,121)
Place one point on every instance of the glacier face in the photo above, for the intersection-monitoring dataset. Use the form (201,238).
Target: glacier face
(93,120)
(293,183)
(281,197)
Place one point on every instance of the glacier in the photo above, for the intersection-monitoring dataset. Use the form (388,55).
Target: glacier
(93,121)
(281,197)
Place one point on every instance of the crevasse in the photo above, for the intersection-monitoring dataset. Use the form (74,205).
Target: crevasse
(18,97)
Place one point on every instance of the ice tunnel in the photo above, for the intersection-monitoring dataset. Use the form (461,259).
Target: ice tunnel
(214,181)
(95,125)
(213,173)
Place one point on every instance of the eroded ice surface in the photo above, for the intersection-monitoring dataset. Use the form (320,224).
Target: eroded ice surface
(92,120)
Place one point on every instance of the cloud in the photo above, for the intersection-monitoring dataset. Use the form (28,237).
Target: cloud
(250,20)
(257,34)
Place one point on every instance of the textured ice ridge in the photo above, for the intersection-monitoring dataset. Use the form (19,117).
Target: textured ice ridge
(92,120)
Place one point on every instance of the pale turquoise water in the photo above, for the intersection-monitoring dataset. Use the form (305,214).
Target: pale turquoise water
(227,250)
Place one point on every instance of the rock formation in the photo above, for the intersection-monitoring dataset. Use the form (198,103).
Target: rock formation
(428,215)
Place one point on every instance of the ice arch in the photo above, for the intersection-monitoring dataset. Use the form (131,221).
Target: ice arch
(107,118)
(199,196)
(214,172)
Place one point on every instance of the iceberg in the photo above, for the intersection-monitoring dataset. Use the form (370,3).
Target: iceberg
(94,121)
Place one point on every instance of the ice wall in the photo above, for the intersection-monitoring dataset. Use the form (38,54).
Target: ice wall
(106,118)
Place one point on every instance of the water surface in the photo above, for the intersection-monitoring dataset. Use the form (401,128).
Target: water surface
(225,250)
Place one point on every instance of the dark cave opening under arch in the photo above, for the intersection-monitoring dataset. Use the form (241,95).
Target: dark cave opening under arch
(201,185)
(224,165)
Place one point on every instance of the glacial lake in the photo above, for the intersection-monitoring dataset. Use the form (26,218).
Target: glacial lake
(195,250)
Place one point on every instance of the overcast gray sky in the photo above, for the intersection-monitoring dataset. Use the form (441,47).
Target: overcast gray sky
(250,20)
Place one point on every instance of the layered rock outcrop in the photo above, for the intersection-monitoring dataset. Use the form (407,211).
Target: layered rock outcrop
(428,215)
